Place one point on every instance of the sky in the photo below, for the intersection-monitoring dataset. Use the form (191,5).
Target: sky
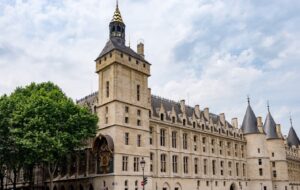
(213,53)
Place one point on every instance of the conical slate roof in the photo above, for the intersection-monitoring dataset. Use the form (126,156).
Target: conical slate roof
(270,127)
(292,138)
(249,125)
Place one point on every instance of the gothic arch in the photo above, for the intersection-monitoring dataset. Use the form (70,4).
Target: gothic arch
(233,186)
(178,185)
(167,186)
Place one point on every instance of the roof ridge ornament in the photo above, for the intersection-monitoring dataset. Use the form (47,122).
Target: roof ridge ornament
(268,105)
(248,99)
(291,119)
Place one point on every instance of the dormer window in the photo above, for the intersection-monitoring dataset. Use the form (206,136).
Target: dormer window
(173,119)
(194,125)
(162,117)
(183,122)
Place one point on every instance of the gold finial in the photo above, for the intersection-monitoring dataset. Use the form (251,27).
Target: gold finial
(117,14)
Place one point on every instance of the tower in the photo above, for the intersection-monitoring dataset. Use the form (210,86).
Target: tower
(124,105)
(258,161)
(277,153)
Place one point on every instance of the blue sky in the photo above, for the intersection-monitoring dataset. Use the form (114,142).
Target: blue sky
(212,53)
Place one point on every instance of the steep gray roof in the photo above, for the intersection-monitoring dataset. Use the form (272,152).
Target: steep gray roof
(249,125)
(270,127)
(116,44)
(292,138)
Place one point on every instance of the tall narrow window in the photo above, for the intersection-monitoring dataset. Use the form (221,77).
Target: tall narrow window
(125,163)
(183,122)
(126,138)
(163,163)
(260,171)
(196,165)
(237,169)
(259,162)
(173,119)
(244,170)
(138,92)
(185,165)
(184,141)
(136,164)
(174,139)
(162,116)
(162,137)
(139,140)
(205,166)
(107,89)
(214,167)
(151,133)
(174,163)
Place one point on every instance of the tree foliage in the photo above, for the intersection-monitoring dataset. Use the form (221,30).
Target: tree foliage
(46,124)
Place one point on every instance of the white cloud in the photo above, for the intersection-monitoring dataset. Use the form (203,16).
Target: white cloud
(212,53)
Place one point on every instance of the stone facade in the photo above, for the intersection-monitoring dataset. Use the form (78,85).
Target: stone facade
(184,147)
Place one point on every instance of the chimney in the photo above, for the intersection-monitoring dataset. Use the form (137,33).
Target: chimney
(140,49)
(222,118)
(278,130)
(197,110)
(234,122)
(182,106)
(260,124)
(206,113)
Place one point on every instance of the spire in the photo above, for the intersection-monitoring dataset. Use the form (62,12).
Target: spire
(270,125)
(293,139)
(249,125)
(248,100)
(117,14)
(291,120)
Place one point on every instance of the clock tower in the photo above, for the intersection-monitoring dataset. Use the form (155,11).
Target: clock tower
(123,107)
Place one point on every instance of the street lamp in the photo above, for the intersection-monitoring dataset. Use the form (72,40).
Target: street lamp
(143,163)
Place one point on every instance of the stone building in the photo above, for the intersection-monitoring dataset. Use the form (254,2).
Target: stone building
(184,147)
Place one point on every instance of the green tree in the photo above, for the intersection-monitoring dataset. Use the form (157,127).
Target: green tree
(48,125)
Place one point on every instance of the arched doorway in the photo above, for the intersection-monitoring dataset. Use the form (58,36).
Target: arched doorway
(233,187)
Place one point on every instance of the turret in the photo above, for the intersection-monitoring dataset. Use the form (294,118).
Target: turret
(293,139)
(270,126)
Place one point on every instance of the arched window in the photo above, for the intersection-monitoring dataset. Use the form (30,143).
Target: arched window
(118,29)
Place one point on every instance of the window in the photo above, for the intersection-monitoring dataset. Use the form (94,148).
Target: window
(274,173)
(174,163)
(126,120)
(214,167)
(194,125)
(139,140)
(129,58)
(174,139)
(185,165)
(237,169)
(162,117)
(163,163)
(151,160)
(162,137)
(106,120)
(136,162)
(260,171)
(138,122)
(106,110)
(138,92)
(125,163)
(126,109)
(126,183)
(258,150)
(126,138)
(107,89)
(138,112)
(121,53)
(173,119)
(273,154)
(195,143)
(185,141)
(151,132)
(259,162)
(244,170)
(183,122)
(205,166)
(273,164)
(196,165)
